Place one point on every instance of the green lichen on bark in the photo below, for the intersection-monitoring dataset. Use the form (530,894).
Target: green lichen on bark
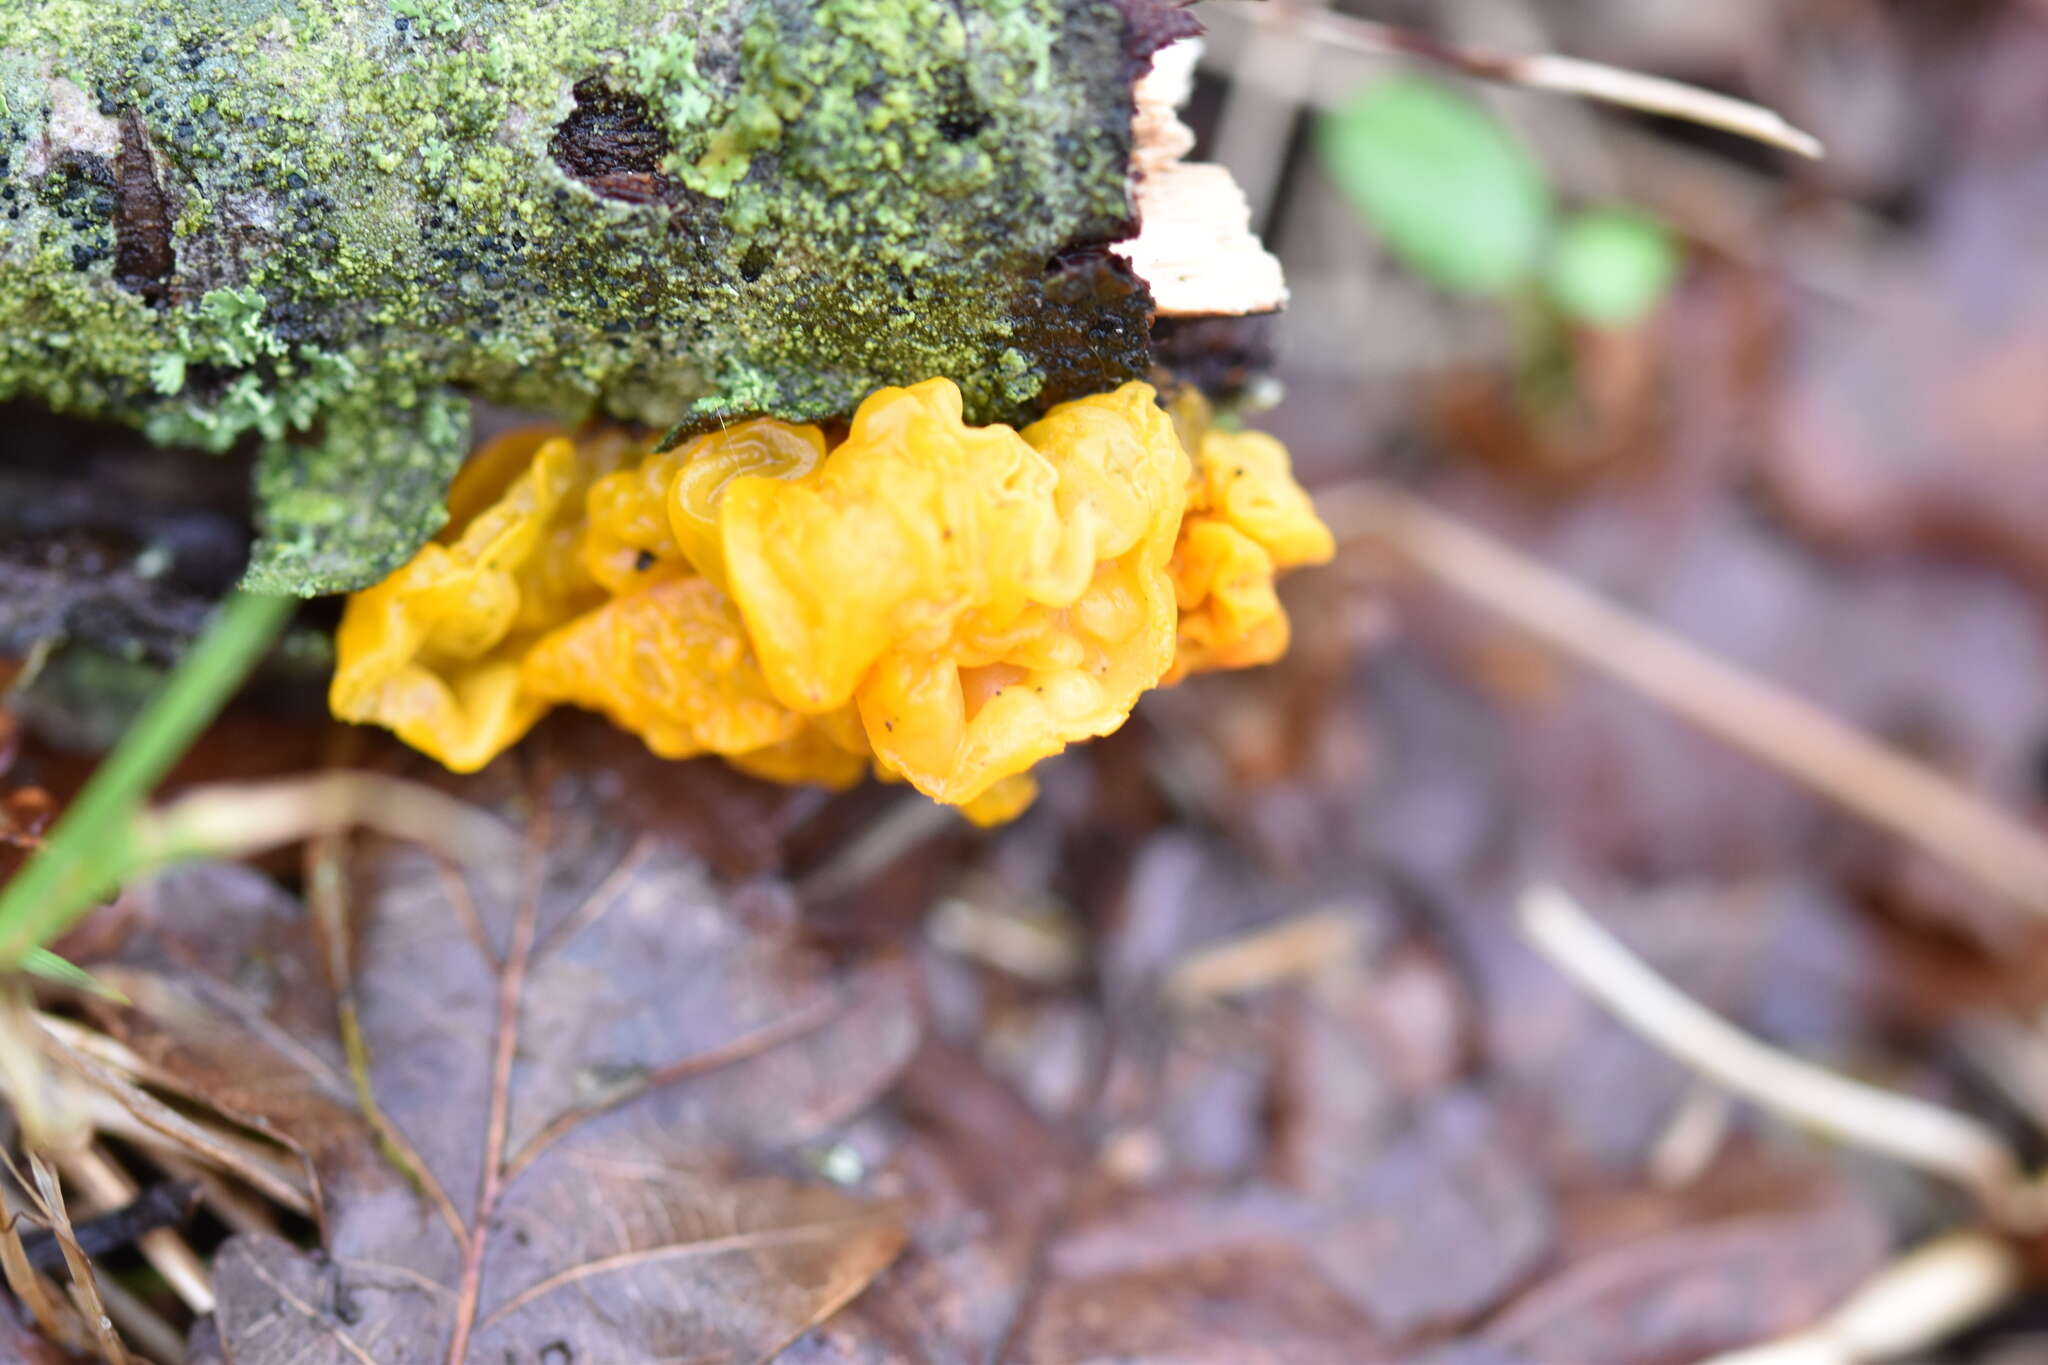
(646,208)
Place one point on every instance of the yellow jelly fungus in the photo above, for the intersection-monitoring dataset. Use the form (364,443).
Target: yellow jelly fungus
(937,603)
(435,650)
(1247,520)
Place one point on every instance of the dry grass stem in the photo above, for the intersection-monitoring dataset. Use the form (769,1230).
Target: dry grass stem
(1913,801)
(1042,948)
(1698,1128)
(85,1285)
(1564,75)
(1295,949)
(147,1332)
(1907,1308)
(2014,1055)
(1656,95)
(50,1110)
(240,820)
(34,1291)
(1932,1138)
(908,822)
(117,1106)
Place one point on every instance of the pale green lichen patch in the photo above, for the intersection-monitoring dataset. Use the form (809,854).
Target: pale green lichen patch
(367,213)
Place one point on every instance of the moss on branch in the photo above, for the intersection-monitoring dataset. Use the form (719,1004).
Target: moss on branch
(318,223)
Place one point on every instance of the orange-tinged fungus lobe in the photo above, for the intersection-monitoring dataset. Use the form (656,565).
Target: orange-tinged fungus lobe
(946,604)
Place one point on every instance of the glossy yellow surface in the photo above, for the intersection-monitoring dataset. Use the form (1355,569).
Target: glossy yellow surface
(1247,521)
(944,604)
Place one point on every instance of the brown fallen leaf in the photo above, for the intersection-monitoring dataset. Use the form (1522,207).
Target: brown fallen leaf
(555,1112)
(1254,1303)
(1915,421)
(986,1177)
(1433,1233)
(21,1342)
(1695,1291)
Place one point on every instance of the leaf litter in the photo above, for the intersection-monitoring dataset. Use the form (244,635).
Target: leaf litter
(588,1088)
(1295,1092)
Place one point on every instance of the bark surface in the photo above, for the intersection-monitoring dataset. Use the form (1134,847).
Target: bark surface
(320,224)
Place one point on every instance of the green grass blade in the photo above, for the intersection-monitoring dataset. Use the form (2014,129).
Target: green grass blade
(50,967)
(71,870)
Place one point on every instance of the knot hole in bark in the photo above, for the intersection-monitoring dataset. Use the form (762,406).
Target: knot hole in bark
(608,143)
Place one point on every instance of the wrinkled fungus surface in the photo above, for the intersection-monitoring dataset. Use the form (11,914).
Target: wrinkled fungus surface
(941,603)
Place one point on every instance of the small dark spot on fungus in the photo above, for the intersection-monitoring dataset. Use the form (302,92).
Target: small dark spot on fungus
(143,258)
(644,561)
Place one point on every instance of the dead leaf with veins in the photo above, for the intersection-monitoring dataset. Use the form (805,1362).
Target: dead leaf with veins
(583,1092)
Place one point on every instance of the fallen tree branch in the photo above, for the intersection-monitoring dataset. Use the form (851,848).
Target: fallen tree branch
(321,225)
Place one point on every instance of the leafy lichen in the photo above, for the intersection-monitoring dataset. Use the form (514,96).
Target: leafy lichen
(366,216)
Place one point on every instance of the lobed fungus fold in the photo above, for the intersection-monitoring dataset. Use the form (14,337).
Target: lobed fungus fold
(939,603)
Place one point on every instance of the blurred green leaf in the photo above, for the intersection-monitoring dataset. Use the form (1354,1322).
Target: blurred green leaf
(1451,191)
(1611,267)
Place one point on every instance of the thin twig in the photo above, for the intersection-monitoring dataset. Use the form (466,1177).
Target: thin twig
(327,898)
(33,1289)
(242,819)
(163,1206)
(1297,948)
(1932,1138)
(1032,943)
(1909,1307)
(1565,75)
(148,1333)
(1910,799)
(241,1212)
(115,1105)
(909,821)
(1692,1137)
(2014,1055)
(110,1189)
